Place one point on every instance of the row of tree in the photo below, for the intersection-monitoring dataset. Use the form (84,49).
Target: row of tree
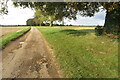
(35,22)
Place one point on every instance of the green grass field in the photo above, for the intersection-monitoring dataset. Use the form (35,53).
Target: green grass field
(4,41)
(82,54)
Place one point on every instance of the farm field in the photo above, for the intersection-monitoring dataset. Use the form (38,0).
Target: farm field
(11,33)
(60,52)
(82,54)
(66,40)
(4,31)
(73,27)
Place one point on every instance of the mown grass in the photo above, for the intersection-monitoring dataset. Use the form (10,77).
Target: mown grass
(81,54)
(4,41)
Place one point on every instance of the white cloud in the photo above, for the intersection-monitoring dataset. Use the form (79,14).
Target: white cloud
(16,16)
(98,19)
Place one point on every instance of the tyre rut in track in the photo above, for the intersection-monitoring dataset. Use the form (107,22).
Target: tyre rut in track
(28,57)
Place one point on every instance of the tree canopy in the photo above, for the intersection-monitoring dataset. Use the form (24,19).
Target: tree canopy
(3,7)
(59,10)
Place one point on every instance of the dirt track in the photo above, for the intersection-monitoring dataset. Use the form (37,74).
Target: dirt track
(28,57)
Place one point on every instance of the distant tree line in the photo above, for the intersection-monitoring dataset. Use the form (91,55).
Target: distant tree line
(34,22)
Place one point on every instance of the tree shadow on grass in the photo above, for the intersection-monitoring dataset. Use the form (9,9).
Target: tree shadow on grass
(75,32)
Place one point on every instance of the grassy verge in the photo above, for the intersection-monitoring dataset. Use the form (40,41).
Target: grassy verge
(12,36)
(81,54)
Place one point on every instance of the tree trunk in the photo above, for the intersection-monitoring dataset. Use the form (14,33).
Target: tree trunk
(111,22)
(106,22)
(51,23)
(63,22)
(40,23)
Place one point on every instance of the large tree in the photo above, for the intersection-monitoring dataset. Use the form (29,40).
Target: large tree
(61,10)
(53,11)
(43,17)
(34,22)
(112,24)
(40,16)
(112,19)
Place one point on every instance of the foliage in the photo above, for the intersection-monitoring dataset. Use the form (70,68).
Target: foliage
(45,14)
(3,7)
(71,9)
(99,30)
(41,17)
(61,10)
(110,6)
(34,22)
(81,54)
(30,22)
(112,19)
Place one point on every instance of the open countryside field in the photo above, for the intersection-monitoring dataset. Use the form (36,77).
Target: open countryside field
(66,40)
(4,31)
(60,52)
(74,27)
(82,54)
(9,33)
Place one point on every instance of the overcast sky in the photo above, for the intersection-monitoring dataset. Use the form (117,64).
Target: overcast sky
(19,16)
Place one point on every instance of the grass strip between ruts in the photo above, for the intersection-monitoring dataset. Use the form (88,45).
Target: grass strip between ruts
(14,35)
